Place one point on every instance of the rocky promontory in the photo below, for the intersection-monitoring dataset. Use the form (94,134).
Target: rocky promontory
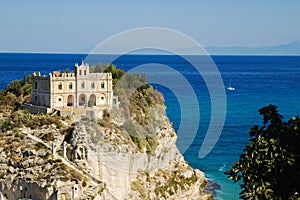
(129,153)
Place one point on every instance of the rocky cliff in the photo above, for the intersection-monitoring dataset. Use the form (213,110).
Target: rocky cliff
(128,154)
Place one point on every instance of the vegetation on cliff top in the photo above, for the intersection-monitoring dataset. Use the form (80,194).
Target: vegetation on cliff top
(144,106)
(137,104)
(16,93)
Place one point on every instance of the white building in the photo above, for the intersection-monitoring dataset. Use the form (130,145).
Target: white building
(61,91)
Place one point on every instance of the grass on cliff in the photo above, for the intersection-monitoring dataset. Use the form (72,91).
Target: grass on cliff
(20,118)
(137,100)
(140,125)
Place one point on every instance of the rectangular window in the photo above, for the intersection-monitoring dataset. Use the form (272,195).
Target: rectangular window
(82,85)
(60,86)
(79,72)
(102,85)
(84,72)
(70,86)
(93,85)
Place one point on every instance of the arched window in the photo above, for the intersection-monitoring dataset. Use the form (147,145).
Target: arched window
(92,100)
(82,100)
(70,100)
(70,86)
(84,72)
(60,86)
(79,72)
(102,85)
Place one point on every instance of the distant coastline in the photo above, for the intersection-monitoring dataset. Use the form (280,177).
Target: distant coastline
(289,49)
(213,55)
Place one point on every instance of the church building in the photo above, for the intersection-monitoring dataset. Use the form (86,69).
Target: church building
(62,91)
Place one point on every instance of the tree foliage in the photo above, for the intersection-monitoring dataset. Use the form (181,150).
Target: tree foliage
(124,83)
(16,93)
(108,68)
(270,165)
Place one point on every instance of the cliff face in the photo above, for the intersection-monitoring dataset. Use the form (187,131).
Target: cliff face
(136,156)
(128,154)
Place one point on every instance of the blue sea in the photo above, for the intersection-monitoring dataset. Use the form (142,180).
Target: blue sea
(258,81)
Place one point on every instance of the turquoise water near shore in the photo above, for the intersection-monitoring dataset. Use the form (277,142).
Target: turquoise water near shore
(259,81)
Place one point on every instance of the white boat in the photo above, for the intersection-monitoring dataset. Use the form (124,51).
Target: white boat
(229,86)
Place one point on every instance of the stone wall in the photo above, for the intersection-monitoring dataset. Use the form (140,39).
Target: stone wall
(36,109)
(40,91)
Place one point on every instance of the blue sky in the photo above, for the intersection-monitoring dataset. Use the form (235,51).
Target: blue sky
(78,26)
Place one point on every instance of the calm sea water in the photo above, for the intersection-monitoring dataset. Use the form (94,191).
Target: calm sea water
(259,81)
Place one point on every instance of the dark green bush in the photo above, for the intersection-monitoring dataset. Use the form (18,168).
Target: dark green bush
(269,165)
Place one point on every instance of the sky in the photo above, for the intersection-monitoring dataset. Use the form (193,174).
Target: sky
(78,26)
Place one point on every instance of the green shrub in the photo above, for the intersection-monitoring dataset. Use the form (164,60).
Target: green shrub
(269,165)
(5,125)
(129,127)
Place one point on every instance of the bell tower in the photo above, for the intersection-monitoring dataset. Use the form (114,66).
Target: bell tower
(82,70)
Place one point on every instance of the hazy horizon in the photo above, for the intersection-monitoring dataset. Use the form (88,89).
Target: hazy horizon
(211,50)
(77,27)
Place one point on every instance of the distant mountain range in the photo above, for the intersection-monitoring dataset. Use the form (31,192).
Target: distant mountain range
(292,48)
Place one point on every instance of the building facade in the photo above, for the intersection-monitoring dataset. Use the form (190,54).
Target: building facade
(71,90)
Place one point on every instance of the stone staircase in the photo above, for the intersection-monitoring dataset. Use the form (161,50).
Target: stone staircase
(87,192)
(91,191)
